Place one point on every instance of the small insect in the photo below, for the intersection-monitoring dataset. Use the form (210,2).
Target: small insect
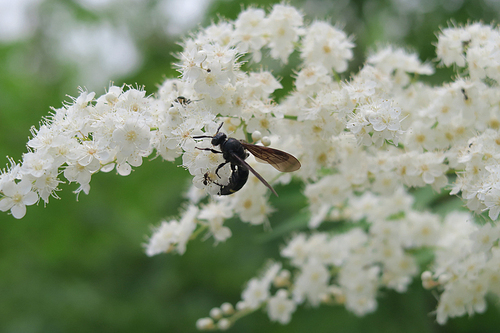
(182,101)
(238,178)
(235,152)
(464,93)
(206,179)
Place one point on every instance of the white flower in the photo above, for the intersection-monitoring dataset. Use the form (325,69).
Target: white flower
(385,116)
(311,75)
(485,237)
(131,137)
(390,59)
(296,250)
(46,185)
(424,229)
(262,84)
(251,203)
(173,234)
(163,239)
(492,202)
(92,150)
(219,32)
(187,225)
(398,272)
(311,283)
(51,141)
(17,197)
(329,191)
(360,303)
(191,66)
(36,164)
(452,302)
(420,136)
(357,122)
(450,46)
(431,168)
(385,183)
(360,89)
(133,100)
(284,28)
(210,81)
(358,282)
(223,55)
(328,46)
(75,172)
(215,213)
(280,307)
(249,32)
(255,293)
(212,182)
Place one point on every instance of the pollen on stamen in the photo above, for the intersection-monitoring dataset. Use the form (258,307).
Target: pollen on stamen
(210,80)
(131,136)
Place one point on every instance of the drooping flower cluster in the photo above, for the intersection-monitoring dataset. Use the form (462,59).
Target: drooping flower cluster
(366,145)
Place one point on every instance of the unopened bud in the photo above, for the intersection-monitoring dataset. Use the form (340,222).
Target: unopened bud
(256,136)
(227,308)
(205,324)
(224,324)
(216,313)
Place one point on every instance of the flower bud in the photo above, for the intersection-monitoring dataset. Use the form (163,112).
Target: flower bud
(266,141)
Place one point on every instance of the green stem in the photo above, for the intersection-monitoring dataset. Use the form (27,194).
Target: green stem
(198,231)
(290,117)
(241,314)
(336,76)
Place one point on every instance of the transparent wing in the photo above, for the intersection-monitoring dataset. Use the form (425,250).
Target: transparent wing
(280,160)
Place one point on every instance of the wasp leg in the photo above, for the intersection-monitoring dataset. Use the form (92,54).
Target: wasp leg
(202,137)
(215,152)
(220,166)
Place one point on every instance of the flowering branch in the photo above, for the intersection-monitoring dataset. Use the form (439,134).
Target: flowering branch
(364,144)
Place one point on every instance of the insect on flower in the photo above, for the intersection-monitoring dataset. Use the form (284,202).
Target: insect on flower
(182,100)
(234,151)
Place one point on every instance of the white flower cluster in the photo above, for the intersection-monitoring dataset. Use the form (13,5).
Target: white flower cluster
(479,181)
(88,135)
(363,144)
(471,47)
(466,266)
(257,293)
(379,134)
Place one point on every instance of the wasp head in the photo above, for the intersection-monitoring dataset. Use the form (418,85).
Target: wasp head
(218,139)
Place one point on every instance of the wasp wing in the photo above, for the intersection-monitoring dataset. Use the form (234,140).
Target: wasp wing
(280,160)
(246,165)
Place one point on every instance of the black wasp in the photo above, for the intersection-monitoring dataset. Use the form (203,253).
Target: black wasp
(234,151)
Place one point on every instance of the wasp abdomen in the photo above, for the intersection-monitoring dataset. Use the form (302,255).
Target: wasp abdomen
(238,179)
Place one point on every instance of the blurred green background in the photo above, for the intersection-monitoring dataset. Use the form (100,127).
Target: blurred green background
(80,266)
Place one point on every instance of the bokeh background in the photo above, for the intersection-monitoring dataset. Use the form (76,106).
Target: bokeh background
(80,266)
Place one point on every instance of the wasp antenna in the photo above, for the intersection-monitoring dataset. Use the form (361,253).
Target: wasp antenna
(218,129)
